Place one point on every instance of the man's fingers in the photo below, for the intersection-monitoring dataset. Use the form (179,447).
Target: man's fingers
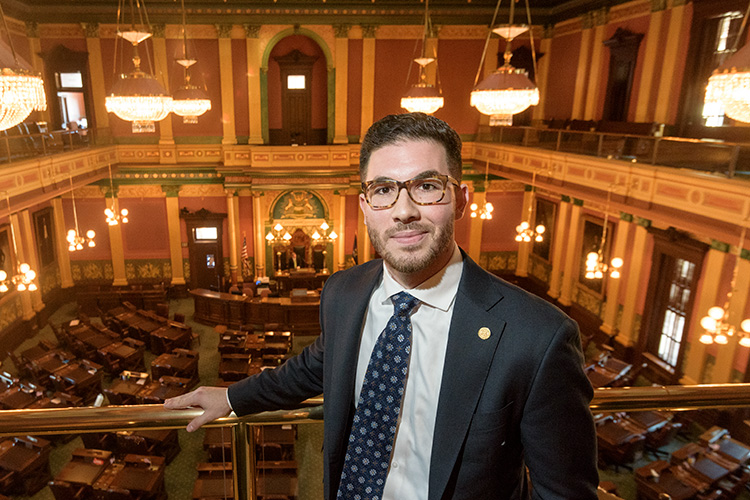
(179,402)
(213,400)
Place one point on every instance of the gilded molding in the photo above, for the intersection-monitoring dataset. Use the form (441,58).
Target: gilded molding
(341,30)
(601,16)
(139,191)
(201,190)
(159,30)
(171,191)
(657,5)
(251,30)
(32,29)
(224,30)
(91,30)
(369,30)
(587,21)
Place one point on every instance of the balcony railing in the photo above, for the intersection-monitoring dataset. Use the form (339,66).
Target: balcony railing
(108,418)
(729,159)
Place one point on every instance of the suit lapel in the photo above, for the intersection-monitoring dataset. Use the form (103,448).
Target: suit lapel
(467,362)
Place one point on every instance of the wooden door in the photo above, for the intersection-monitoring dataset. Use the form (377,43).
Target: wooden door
(205,252)
(296,97)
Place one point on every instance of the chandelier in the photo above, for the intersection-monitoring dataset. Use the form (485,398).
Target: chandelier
(136,96)
(485,213)
(595,265)
(24,277)
(423,97)
(113,216)
(716,325)
(324,238)
(730,83)
(188,101)
(75,239)
(278,235)
(508,90)
(524,231)
(21,91)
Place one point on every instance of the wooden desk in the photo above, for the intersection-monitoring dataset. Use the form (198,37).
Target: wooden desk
(125,390)
(733,450)
(180,363)
(165,388)
(82,378)
(651,487)
(19,397)
(171,336)
(308,280)
(85,467)
(214,308)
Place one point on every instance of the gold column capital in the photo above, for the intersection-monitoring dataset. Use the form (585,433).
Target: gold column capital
(341,30)
(251,30)
(90,30)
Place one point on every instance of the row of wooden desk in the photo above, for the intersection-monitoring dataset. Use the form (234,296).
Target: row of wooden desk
(236,311)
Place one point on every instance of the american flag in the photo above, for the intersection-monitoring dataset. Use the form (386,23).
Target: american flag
(245,256)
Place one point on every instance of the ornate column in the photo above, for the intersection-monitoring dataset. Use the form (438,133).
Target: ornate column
(341,31)
(722,372)
(543,71)
(102,132)
(582,72)
(259,240)
(224,32)
(32,35)
(368,78)
(651,60)
(173,226)
(430,49)
(561,235)
(254,55)
(339,224)
(670,55)
(524,248)
(712,274)
(232,223)
(161,68)
(572,254)
(609,325)
(27,310)
(61,246)
(115,242)
(31,258)
(627,335)
(595,69)
(476,224)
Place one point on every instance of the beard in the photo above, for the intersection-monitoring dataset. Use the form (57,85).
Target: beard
(413,258)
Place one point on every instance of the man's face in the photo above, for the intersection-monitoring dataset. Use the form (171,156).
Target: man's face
(415,241)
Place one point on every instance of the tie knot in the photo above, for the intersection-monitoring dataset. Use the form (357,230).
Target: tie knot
(403,303)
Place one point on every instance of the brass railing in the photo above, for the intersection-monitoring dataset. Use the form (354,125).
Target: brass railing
(108,418)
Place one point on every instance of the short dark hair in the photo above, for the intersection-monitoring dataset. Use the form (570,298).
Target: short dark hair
(412,126)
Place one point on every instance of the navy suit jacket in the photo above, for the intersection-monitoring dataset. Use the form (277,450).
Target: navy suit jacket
(518,398)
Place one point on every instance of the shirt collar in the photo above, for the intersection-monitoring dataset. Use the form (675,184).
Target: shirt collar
(437,291)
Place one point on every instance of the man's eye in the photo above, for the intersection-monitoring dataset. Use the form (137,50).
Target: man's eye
(382,189)
(430,185)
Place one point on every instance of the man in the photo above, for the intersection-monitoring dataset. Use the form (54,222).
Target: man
(493,379)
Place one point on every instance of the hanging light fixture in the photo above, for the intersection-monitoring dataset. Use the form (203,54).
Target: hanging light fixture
(113,216)
(508,90)
(716,325)
(595,265)
(278,235)
(324,238)
(75,239)
(23,279)
(188,101)
(485,213)
(21,90)
(423,97)
(524,231)
(136,96)
(730,83)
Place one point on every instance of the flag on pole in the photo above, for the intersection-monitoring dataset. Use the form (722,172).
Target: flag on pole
(245,256)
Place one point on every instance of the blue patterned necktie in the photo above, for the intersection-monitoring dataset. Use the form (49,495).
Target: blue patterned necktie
(371,440)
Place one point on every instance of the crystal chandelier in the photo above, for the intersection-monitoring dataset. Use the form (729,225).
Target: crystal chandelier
(730,83)
(188,101)
(485,213)
(21,91)
(75,239)
(524,231)
(24,277)
(508,90)
(716,325)
(136,96)
(423,97)
(113,216)
(324,238)
(278,235)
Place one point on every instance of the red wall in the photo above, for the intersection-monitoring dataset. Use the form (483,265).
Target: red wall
(354,94)
(458,61)
(146,235)
(392,60)
(563,63)
(498,233)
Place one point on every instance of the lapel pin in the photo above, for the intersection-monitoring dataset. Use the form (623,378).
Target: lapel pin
(484,333)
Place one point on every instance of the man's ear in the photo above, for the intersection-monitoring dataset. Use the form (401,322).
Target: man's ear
(363,206)
(462,200)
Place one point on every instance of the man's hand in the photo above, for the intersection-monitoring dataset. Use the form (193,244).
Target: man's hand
(213,400)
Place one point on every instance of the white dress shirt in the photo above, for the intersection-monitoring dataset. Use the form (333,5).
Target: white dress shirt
(408,475)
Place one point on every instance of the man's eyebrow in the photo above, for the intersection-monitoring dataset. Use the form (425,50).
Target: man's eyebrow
(422,175)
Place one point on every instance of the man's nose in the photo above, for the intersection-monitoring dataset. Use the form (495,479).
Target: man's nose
(405,209)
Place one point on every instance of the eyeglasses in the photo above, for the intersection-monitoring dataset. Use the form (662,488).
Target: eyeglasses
(422,190)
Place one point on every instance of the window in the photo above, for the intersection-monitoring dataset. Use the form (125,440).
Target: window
(676,310)
(70,80)
(206,233)
(295,82)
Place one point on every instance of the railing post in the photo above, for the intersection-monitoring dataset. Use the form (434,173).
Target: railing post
(243,452)
(526,132)
(559,140)
(655,152)
(501,134)
(600,146)
(733,161)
